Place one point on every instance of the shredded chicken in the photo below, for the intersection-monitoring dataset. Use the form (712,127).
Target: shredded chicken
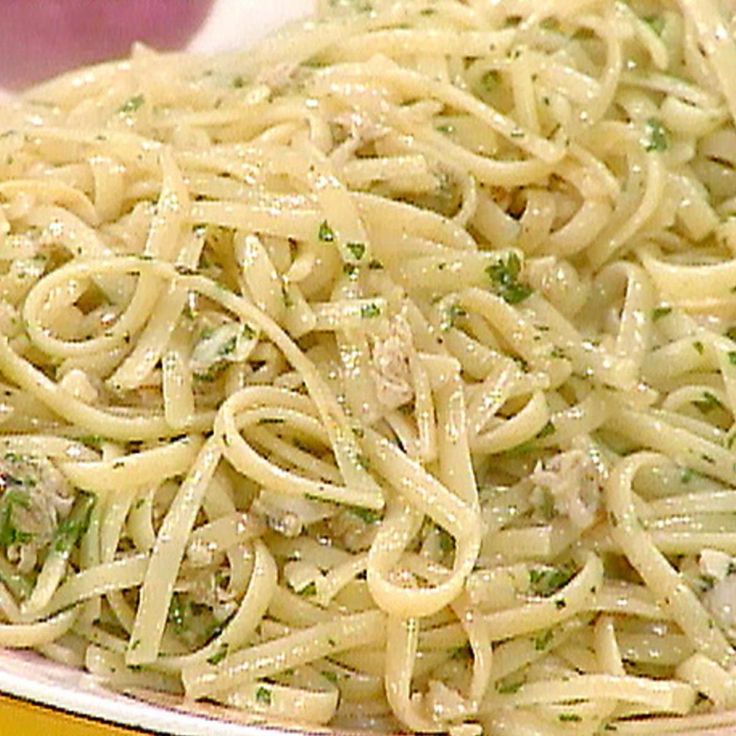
(446,703)
(287,514)
(718,570)
(35,498)
(278,76)
(203,588)
(575,483)
(361,130)
(390,365)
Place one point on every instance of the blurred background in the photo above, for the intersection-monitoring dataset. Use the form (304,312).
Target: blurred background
(42,38)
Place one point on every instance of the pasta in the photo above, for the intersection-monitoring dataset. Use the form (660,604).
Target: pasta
(383,375)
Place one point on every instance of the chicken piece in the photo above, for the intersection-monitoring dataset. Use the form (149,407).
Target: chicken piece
(34,498)
(719,571)
(575,483)
(278,76)
(390,365)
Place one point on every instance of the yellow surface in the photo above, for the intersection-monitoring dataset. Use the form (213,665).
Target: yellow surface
(18,718)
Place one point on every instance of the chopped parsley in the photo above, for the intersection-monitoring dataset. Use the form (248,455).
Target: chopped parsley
(326,234)
(463,652)
(219,655)
(509,687)
(94,441)
(547,430)
(504,276)
(657,137)
(357,250)
(699,347)
(368,516)
(454,312)
(263,696)
(15,497)
(569,717)
(732,357)
(177,613)
(489,80)
(132,105)
(656,23)
(330,676)
(708,403)
(687,475)
(308,590)
(543,640)
(660,312)
(71,529)
(546,581)
(369,311)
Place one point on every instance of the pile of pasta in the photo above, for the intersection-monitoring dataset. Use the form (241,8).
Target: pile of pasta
(383,375)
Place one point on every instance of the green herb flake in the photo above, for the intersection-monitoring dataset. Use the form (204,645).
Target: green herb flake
(660,312)
(447,543)
(657,137)
(558,353)
(132,105)
(489,80)
(368,516)
(504,275)
(546,581)
(687,475)
(330,676)
(732,357)
(463,652)
(546,431)
(731,333)
(9,533)
(93,441)
(453,314)
(357,250)
(326,234)
(656,23)
(543,640)
(699,347)
(219,655)
(308,590)
(708,403)
(569,718)
(71,529)
(176,614)
(263,696)
(369,311)
(375,265)
(509,687)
